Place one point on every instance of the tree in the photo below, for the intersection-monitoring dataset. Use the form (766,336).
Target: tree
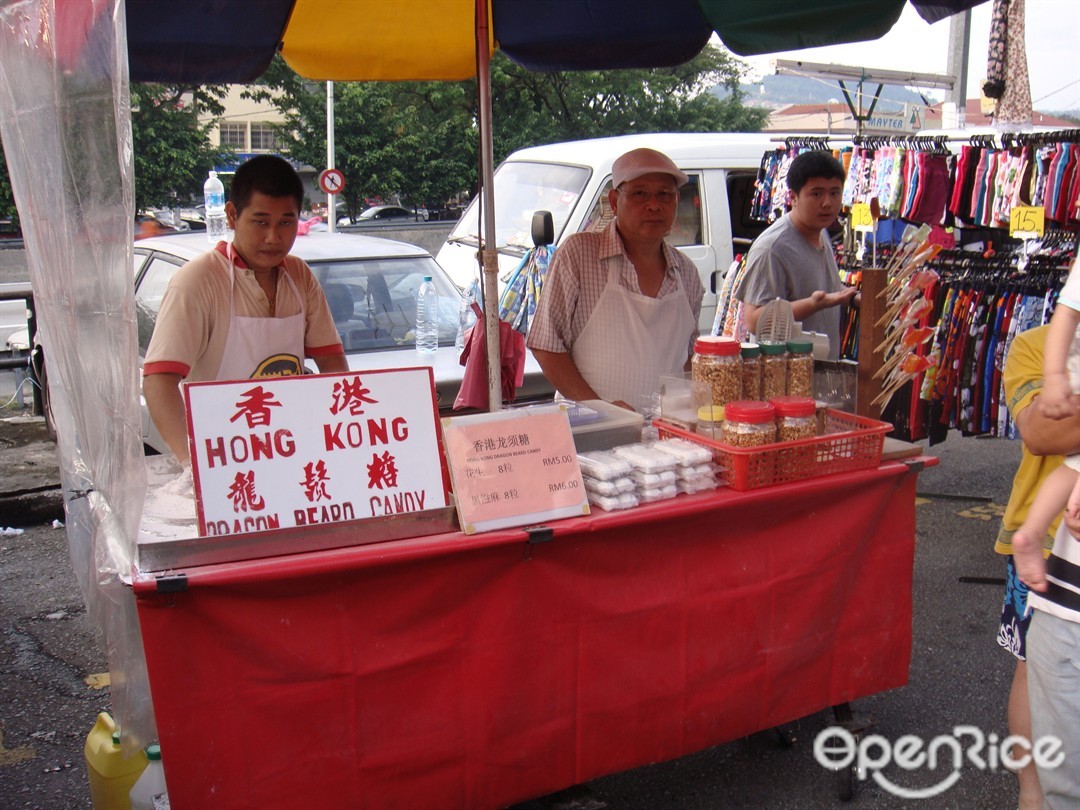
(172,150)
(418,140)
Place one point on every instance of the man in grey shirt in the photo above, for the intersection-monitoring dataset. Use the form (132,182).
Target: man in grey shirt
(793,258)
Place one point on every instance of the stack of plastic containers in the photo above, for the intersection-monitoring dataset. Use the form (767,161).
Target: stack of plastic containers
(640,473)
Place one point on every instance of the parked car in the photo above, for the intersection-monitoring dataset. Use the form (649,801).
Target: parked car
(380,214)
(370,285)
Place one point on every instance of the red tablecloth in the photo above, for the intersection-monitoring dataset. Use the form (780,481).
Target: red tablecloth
(454,671)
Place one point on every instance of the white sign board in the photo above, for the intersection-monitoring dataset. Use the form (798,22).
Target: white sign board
(276,452)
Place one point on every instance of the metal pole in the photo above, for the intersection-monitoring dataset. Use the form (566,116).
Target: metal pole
(959,50)
(331,210)
(488,253)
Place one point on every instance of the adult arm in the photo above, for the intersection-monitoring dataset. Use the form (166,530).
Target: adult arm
(804,307)
(166,406)
(1048,437)
(328,363)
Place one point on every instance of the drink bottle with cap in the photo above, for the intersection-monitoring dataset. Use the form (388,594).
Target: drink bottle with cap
(149,793)
(214,200)
(427,317)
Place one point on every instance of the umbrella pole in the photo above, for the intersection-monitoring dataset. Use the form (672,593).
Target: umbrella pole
(488,253)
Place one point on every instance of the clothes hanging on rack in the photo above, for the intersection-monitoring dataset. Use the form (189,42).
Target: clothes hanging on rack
(979,305)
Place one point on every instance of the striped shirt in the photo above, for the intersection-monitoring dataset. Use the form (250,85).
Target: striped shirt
(576,280)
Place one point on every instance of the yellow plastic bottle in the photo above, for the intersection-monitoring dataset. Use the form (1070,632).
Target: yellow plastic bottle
(111,774)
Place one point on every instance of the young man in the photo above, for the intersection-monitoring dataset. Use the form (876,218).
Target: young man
(242,310)
(793,257)
(620,307)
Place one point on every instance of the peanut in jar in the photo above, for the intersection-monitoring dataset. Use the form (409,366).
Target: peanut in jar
(773,370)
(716,362)
(751,371)
(800,368)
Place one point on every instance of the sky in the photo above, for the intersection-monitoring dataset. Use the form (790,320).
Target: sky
(1053,51)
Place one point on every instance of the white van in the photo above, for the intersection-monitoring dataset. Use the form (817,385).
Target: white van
(571,180)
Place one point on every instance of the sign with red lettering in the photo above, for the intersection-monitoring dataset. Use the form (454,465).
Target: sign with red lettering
(513,468)
(276,452)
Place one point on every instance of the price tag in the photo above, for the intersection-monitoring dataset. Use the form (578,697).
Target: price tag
(513,468)
(1027,221)
(861,218)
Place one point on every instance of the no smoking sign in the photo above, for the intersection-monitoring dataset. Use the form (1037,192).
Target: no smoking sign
(331,181)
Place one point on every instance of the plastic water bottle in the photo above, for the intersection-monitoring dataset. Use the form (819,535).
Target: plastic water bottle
(466,317)
(427,318)
(149,792)
(214,200)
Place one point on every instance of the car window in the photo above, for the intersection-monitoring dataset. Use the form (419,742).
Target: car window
(373,301)
(148,295)
(687,229)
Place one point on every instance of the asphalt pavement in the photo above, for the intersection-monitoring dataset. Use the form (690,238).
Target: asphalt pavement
(52,684)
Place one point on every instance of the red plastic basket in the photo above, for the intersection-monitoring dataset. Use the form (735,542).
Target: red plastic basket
(849,443)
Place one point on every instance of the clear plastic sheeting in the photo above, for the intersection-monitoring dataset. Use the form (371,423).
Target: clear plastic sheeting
(66,126)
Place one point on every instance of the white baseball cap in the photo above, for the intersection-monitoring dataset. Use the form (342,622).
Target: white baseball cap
(639,162)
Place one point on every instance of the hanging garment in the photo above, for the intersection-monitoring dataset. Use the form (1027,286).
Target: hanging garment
(1014,105)
(994,86)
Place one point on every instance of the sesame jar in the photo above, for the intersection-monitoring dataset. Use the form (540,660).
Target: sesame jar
(710,421)
(773,370)
(749,423)
(796,418)
(716,362)
(751,371)
(800,368)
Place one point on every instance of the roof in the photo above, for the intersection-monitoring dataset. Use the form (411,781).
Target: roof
(315,246)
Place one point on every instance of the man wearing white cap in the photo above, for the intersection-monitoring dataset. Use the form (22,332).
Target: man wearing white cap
(620,307)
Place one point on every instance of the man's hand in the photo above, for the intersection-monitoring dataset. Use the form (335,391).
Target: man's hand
(823,300)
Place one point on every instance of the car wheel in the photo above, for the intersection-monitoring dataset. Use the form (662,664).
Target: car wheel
(40,377)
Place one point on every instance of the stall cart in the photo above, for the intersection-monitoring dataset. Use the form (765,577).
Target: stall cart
(477,671)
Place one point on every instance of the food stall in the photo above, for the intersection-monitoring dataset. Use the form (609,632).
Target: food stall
(488,666)
(477,670)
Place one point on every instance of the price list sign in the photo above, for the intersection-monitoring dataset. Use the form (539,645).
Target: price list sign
(513,468)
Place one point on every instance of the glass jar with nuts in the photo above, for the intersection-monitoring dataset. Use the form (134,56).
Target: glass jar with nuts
(749,423)
(716,362)
(773,370)
(796,418)
(751,371)
(800,368)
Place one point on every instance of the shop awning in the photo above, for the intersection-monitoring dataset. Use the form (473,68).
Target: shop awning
(215,41)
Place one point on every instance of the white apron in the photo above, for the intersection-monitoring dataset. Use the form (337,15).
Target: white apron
(630,340)
(263,347)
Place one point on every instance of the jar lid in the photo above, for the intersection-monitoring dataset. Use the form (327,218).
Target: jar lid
(153,752)
(711,345)
(773,348)
(794,406)
(800,346)
(750,350)
(710,413)
(750,410)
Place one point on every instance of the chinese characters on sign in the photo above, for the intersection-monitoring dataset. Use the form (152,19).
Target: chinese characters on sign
(513,468)
(298,451)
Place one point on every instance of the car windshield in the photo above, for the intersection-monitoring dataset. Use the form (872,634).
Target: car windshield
(373,301)
(520,190)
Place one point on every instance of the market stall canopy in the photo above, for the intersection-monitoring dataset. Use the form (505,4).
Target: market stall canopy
(217,41)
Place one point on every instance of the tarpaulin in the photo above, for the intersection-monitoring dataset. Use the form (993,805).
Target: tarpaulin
(476,671)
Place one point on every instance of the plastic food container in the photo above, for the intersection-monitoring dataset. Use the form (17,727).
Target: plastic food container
(773,370)
(751,371)
(749,423)
(796,418)
(612,426)
(800,368)
(710,421)
(716,361)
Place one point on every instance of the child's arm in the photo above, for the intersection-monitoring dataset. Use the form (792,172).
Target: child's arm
(1056,397)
